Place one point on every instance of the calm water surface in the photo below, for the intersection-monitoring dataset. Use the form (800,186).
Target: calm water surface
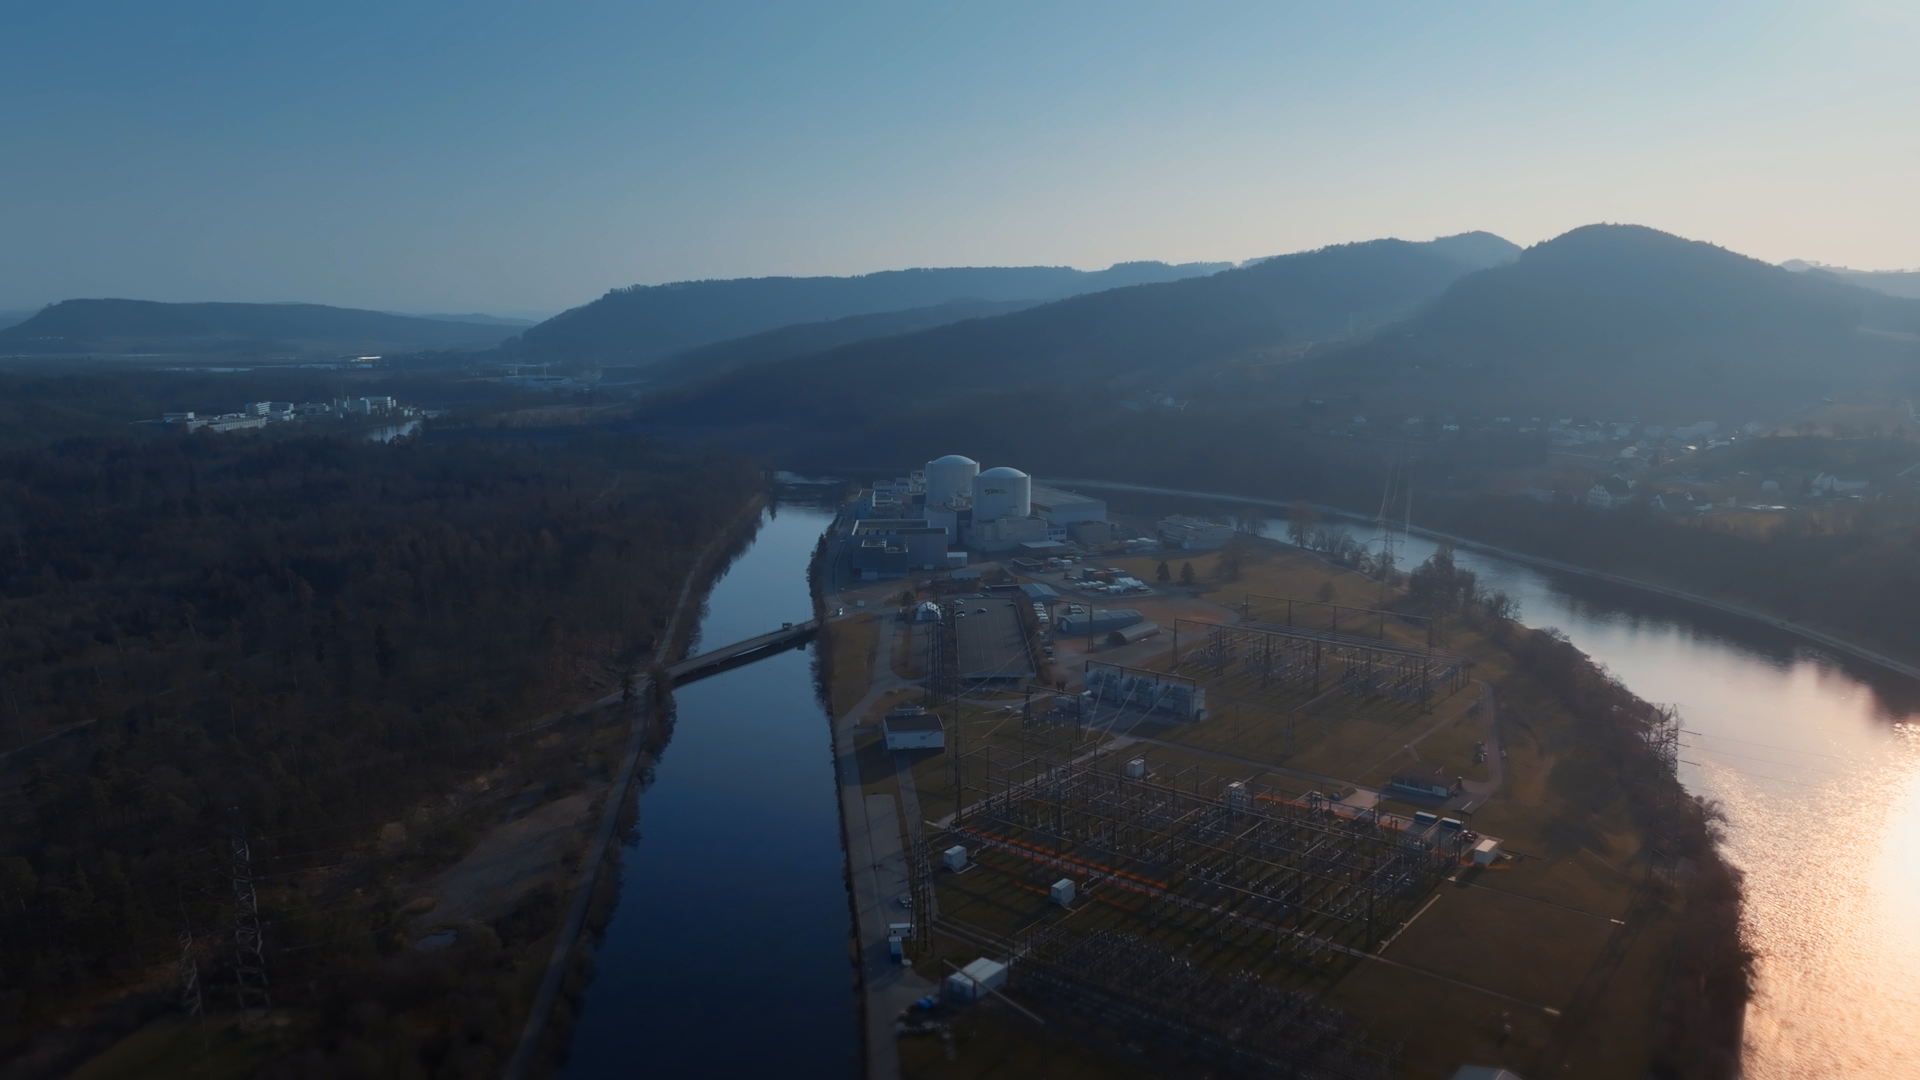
(1817,766)
(727,955)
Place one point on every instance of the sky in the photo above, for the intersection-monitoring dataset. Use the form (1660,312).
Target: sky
(521,158)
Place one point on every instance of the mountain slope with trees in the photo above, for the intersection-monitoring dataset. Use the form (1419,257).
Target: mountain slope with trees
(644,322)
(146,326)
(1147,338)
(1625,320)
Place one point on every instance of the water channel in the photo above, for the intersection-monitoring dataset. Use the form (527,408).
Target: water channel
(728,953)
(1816,763)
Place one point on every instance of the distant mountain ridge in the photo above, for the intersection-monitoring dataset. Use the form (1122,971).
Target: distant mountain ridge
(1892,282)
(644,322)
(1628,319)
(111,327)
(1140,336)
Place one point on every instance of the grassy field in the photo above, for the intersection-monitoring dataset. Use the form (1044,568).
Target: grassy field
(1551,962)
(854,641)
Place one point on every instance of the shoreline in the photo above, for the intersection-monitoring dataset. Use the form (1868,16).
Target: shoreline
(646,712)
(1819,637)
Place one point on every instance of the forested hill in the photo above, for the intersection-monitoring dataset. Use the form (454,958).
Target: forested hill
(1149,338)
(1624,319)
(643,322)
(144,326)
(706,361)
(311,636)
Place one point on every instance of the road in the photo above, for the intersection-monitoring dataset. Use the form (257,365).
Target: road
(1820,637)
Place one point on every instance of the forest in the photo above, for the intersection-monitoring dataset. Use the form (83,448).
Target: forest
(304,637)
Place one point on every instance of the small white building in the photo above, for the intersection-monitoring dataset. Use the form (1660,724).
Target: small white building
(913,728)
(954,858)
(1062,892)
(972,982)
(1486,851)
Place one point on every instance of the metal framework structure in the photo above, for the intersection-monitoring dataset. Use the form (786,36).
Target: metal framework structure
(1662,736)
(1229,1024)
(1263,870)
(249,959)
(1297,611)
(1318,661)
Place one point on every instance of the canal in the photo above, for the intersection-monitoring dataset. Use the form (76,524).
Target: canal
(728,954)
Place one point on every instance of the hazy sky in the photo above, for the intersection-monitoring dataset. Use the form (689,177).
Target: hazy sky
(525,157)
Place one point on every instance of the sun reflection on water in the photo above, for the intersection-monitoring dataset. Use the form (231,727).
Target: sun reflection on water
(1833,914)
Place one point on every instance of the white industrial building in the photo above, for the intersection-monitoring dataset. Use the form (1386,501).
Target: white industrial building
(913,728)
(992,510)
(1194,534)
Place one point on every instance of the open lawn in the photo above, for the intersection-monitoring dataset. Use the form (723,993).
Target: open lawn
(1551,962)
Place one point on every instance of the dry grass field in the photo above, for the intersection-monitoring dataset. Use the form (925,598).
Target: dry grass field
(1552,962)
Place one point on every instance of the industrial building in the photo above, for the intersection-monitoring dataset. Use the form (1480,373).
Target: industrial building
(998,510)
(911,727)
(1426,779)
(1125,688)
(1194,534)
(894,547)
(1099,621)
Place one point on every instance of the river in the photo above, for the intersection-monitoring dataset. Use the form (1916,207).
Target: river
(1816,764)
(727,954)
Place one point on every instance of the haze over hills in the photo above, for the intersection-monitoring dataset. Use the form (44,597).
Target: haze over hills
(644,322)
(1892,282)
(1145,337)
(707,361)
(1622,318)
(121,327)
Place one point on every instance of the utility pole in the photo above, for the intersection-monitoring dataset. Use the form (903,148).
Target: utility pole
(249,961)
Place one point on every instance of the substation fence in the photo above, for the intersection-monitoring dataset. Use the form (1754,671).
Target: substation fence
(1292,658)
(1229,1023)
(1248,867)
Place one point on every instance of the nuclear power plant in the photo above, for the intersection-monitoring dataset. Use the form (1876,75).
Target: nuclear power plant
(940,516)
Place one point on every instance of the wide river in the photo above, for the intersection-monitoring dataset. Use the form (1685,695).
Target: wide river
(1816,763)
(728,953)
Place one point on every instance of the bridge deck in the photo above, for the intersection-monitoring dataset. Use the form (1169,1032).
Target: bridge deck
(720,659)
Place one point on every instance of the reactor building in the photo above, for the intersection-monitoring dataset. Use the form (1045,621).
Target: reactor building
(939,515)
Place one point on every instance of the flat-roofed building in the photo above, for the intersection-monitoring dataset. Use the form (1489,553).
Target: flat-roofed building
(1062,508)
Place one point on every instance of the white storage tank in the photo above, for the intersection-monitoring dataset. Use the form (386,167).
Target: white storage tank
(950,480)
(1002,493)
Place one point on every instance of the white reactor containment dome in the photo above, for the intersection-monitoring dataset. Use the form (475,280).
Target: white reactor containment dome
(950,479)
(1002,493)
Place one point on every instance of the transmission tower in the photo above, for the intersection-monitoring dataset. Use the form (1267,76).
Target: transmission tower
(249,961)
(1663,738)
(190,997)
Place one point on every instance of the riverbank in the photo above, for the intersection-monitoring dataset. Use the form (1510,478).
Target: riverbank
(1812,634)
(1555,960)
(541,1043)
